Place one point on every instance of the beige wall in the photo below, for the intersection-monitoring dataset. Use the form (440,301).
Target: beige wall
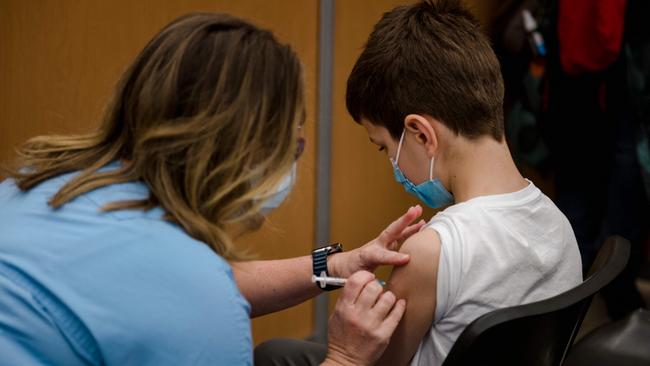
(59,60)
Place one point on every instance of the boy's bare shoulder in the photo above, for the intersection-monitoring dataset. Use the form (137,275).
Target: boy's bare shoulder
(421,271)
(426,241)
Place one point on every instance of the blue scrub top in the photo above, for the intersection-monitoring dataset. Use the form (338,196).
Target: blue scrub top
(83,287)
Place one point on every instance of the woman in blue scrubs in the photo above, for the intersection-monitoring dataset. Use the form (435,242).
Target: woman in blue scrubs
(114,244)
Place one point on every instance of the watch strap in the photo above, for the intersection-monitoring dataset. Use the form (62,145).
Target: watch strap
(319,259)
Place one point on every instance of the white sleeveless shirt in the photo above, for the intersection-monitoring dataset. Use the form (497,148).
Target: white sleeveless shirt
(497,251)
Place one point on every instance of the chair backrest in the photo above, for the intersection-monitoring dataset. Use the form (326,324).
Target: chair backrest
(539,333)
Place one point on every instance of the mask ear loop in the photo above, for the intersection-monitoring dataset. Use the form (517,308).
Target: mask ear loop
(399,147)
(431,170)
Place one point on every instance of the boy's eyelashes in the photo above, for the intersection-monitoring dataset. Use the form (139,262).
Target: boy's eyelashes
(381,148)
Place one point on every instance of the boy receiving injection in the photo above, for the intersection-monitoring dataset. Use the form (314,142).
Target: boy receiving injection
(428,90)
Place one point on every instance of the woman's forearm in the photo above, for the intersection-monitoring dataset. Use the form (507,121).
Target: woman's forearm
(274,285)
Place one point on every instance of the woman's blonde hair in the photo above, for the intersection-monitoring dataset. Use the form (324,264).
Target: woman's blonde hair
(206,116)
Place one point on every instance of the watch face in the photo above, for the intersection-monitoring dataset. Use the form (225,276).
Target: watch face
(335,248)
(330,249)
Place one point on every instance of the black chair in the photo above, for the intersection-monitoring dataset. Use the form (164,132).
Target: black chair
(538,333)
(625,342)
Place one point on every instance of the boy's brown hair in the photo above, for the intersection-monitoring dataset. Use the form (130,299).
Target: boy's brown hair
(428,58)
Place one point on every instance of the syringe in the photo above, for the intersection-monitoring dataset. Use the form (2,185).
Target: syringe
(323,280)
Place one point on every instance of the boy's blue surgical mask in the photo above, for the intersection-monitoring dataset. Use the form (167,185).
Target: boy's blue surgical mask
(281,192)
(431,192)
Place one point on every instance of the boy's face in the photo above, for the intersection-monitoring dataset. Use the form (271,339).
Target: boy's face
(413,161)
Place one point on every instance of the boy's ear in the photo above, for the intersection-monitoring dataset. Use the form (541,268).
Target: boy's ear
(424,133)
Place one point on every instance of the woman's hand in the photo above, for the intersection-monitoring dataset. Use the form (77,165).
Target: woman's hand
(380,251)
(363,321)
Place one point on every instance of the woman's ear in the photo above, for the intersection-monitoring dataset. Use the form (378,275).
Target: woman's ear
(423,131)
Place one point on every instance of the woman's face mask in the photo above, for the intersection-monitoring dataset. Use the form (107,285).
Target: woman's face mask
(281,192)
(432,192)
(288,181)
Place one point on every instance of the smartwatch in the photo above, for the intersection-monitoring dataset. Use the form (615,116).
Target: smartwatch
(319,262)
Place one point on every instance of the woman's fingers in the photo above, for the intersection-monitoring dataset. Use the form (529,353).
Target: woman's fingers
(384,304)
(360,329)
(389,323)
(355,285)
(411,230)
(394,230)
(369,295)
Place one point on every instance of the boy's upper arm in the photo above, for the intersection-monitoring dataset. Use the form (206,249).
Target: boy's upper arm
(416,283)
